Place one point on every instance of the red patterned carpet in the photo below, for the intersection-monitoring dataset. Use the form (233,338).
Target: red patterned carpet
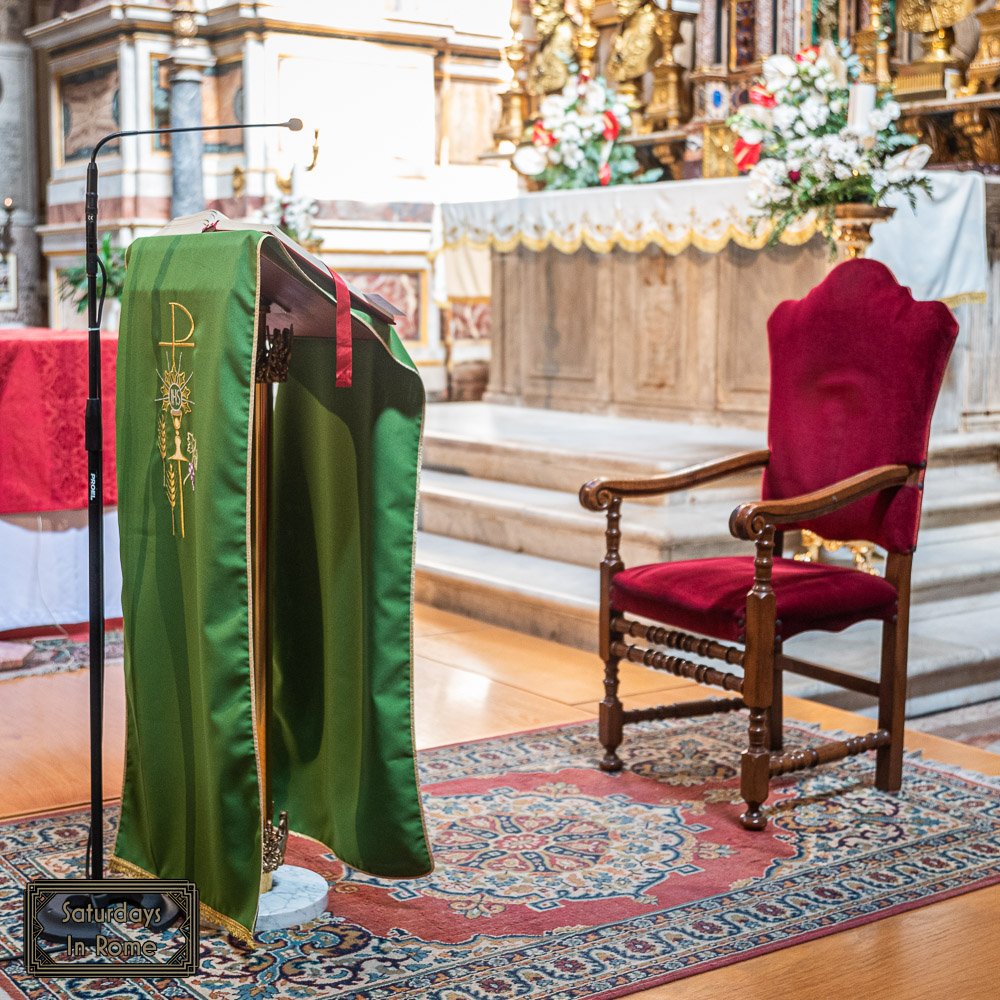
(554,880)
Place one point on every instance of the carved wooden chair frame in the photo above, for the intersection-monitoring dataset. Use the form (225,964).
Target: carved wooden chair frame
(762,658)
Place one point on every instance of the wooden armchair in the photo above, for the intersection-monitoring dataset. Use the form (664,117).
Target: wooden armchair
(856,367)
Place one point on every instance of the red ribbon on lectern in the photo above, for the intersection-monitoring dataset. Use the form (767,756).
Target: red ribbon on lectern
(344,372)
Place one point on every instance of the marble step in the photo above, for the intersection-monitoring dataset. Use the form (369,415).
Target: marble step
(559,451)
(955,642)
(553,525)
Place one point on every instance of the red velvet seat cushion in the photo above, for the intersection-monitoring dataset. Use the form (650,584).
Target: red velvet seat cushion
(709,596)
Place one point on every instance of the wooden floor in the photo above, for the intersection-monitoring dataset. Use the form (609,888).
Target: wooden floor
(475,681)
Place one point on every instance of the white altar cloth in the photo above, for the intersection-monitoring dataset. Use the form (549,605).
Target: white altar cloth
(47,579)
(939,251)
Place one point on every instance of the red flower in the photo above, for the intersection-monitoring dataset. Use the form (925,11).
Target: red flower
(762,96)
(794,176)
(541,136)
(809,54)
(745,154)
(611,127)
(604,175)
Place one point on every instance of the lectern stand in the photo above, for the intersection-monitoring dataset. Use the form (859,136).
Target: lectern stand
(268,435)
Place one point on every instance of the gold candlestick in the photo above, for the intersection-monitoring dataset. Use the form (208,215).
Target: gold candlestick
(668,106)
(984,70)
(513,107)
(587,38)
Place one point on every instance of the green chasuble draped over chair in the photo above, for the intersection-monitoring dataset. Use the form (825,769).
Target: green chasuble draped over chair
(343,492)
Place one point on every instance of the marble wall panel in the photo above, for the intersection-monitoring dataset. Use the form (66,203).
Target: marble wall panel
(471,319)
(665,302)
(405,290)
(643,334)
(751,284)
(473,115)
(89,110)
(566,326)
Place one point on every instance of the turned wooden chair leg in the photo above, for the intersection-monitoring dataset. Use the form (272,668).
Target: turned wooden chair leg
(776,719)
(892,706)
(610,718)
(758,686)
(892,681)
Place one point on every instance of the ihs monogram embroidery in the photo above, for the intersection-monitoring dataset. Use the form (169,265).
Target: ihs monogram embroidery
(175,402)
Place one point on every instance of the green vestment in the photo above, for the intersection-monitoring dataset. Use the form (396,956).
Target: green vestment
(343,493)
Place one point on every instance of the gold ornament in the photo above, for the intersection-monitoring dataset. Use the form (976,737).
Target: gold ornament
(550,68)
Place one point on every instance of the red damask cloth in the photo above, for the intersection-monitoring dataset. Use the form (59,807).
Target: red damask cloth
(43,394)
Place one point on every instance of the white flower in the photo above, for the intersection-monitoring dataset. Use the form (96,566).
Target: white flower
(529,160)
(814,113)
(552,106)
(783,116)
(779,71)
(830,57)
(593,96)
(907,162)
(892,109)
(878,119)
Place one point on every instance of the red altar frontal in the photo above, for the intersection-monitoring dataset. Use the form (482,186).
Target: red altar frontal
(43,391)
(43,478)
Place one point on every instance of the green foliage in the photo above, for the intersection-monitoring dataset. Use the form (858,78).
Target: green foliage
(74,279)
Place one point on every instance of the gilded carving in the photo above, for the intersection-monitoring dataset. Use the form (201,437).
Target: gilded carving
(636,47)
(922,16)
(981,127)
(550,67)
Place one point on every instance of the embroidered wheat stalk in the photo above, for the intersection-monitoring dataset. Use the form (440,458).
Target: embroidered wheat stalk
(161,443)
(172,495)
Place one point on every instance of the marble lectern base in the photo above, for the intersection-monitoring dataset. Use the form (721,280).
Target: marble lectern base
(297,895)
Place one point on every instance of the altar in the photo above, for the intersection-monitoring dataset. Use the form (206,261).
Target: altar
(43,479)
(651,300)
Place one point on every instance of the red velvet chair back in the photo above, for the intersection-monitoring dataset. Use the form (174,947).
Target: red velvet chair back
(856,367)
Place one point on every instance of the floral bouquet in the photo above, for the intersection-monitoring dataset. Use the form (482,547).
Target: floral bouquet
(812,139)
(573,142)
(292,215)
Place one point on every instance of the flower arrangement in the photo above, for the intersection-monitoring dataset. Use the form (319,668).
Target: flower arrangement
(811,138)
(293,216)
(574,141)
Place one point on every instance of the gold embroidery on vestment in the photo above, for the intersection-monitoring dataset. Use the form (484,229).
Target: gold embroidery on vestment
(175,401)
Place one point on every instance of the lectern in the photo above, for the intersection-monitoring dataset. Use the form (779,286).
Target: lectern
(268,433)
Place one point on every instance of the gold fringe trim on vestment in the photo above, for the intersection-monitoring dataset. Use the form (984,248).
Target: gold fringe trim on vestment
(210,915)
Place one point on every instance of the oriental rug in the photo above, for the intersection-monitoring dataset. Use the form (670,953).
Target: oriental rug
(62,653)
(557,881)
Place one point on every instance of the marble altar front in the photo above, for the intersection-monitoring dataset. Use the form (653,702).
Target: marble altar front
(663,312)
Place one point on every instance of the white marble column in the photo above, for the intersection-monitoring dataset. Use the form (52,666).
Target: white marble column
(19,163)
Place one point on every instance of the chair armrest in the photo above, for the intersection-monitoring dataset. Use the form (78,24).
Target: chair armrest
(598,493)
(750,520)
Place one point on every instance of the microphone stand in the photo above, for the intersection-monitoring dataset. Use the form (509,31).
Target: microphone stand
(94,437)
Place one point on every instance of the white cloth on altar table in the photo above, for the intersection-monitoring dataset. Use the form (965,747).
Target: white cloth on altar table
(940,251)
(46,570)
